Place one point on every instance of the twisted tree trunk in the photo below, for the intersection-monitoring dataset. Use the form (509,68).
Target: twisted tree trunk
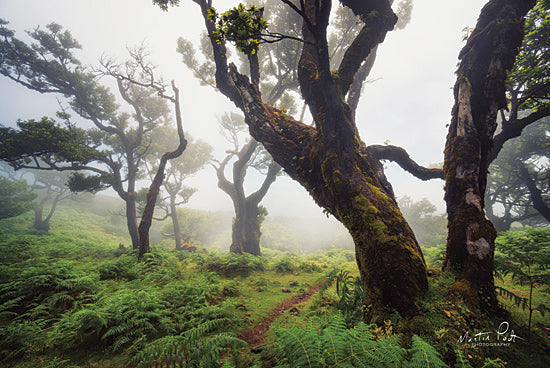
(479,95)
(330,159)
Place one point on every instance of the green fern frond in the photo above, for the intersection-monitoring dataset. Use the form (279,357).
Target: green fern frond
(193,347)
(462,360)
(423,355)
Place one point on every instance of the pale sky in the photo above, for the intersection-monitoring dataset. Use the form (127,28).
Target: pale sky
(408,103)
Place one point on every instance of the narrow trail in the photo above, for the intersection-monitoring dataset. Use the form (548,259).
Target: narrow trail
(255,336)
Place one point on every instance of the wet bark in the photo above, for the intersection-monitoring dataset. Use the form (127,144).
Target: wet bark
(479,95)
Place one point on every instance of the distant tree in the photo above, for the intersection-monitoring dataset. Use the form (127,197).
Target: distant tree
(518,188)
(114,149)
(16,197)
(174,191)
(52,186)
(430,229)
(248,212)
(517,184)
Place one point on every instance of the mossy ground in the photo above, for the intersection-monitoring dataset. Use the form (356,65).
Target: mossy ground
(89,244)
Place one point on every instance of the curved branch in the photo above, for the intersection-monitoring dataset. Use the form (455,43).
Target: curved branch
(402,158)
(379,19)
(513,129)
(536,194)
(272,172)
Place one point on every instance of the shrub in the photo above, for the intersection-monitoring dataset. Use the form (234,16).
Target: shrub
(125,267)
(525,255)
(232,264)
(285,265)
(351,295)
(116,321)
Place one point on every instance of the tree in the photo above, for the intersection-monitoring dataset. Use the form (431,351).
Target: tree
(53,185)
(429,228)
(329,159)
(175,193)
(16,198)
(114,149)
(518,185)
(528,94)
(248,212)
(479,93)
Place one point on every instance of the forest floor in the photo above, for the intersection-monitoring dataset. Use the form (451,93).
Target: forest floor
(72,299)
(255,336)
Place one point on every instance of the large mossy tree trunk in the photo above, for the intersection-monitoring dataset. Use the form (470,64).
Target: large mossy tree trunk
(479,95)
(330,160)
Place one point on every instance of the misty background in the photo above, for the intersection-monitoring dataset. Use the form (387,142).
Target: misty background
(407,101)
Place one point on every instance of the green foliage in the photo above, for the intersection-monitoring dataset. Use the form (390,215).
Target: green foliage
(462,360)
(530,73)
(240,25)
(423,355)
(15,197)
(338,346)
(232,264)
(45,138)
(525,255)
(429,228)
(33,293)
(192,348)
(43,286)
(285,265)
(124,267)
(351,293)
(126,318)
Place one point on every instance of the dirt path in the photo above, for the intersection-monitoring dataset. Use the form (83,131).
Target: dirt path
(255,336)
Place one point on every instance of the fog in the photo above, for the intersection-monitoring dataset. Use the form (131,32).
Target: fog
(407,101)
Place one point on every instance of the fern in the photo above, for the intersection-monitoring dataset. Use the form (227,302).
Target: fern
(461,360)
(337,346)
(423,355)
(342,347)
(351,293)
(192,348)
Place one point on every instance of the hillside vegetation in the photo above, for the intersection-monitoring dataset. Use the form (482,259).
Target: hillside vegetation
(74,298)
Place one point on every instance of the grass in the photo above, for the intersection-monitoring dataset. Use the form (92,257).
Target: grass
(82,247)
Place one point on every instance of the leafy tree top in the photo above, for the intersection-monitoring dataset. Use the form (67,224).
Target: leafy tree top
(241,26)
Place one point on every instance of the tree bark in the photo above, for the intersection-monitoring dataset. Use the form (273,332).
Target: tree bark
(328,159)
(246,230)
(154,188)
(176,224)
(246,224)
(479,94)
(131,218)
